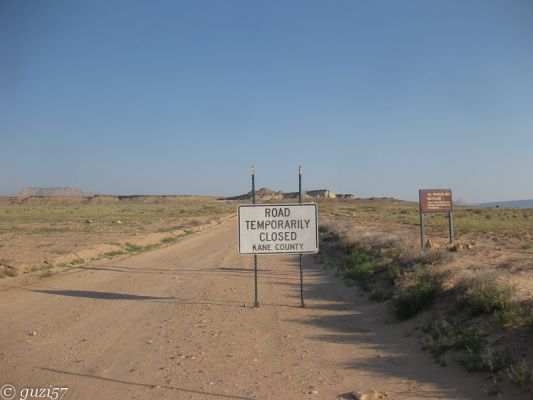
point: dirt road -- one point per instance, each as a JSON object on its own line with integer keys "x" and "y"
{"x": 178, "y": 323}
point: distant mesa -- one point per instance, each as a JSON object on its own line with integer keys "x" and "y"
{"x": 53, "y": 191}
{"x": 266, "y": 194}
{"x": 72, "y": 196}
{"x": 263, "y": 193}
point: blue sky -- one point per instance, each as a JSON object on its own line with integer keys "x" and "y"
{"x": 376, "y": 98}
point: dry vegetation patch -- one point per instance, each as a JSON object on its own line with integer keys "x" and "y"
{"x": 477, "y": 300}
{"x": 39, "y": 232}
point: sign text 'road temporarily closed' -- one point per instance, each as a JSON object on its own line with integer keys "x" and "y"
{"x": 278, "y": 229}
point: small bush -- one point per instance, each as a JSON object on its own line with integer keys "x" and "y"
{"x": 484, "y": 359}
{"x": 11, "y": 272}
{"x": 169, "y": 228}
{"x": 45, "y": 274}
{"x": 485, "y": 296}
{"x": 114, "y": 253}
{"x": 391, "y": 273}
{"x": 361, "y": 273}
{"x": 417, "y": 291}
{"x": 520, "y": 374}
{"x": 133, "y": 248}
{"x": 323, "y": 229}
{"x": 514, "y": 316}
{"x": 380, "y": 294}
{"x": 169, "y": 239}
{"x": 341, "y": 244}
{"x": 440, "y": 338}
{"x": 530, "y": 324}
{"x": 526, "y": 246}
{"x": 443, "y": 335}
{"x": 408, "y": 259}
{"x": 359, "y": 267}
{"x": 410, "y": 300}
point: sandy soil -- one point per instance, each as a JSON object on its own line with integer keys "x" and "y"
{"x": 34, "y": 247}
{"x": 178, "y": 323}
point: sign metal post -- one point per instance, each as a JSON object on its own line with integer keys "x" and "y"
{"x": 302, "y": 304}
{"x": 284, "y": 228}
{"x": 256, "y": 302}
{"x": 422, "y": 228}
{"x": 450, "y": 222}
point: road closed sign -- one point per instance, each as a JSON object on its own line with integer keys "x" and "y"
{"x": 278, "y": 228}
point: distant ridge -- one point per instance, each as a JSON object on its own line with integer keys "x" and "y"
{"x": 509, "y": 204}
{"x": 266, "y": 194}
{"x": 53, "y": 191}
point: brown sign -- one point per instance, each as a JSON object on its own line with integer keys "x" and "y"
{"x": 435, "y": 200}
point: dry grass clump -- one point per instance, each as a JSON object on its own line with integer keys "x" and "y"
{"x": 417, "y": 290}
{"x": 485, "y": 295}
{"x": 409, "y": 259}
{"x": 443, "y": 335}
{"x": 7, "y": 271}
{"x": 520, "y": 374}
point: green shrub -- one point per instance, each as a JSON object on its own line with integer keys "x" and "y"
{"x": 114, "y": 253}
{"x": 355, "y": 258}
{"x": 417, "y": 291}
{"x": 442, "y": 335}
{"x": 169, "y": 228}
{"x": 45, "y": 274}
{"x": 486, "y": 296}
{"x": 11, "y": 272}
{"x": 410, "y": 300}
{"x": 361, "y": 273}
{"x": 133, "y": 248}
{"x": 514, "y": 316}
{"x": 408, "y": 259}
{"x": 169, "y": 239}
{"x": 390, "y": 273}
{"x": 472, "y": 343}
{"x": 380, "y": 294}
{"x": 520, "y": 374}
{"x": 484, "y": 359}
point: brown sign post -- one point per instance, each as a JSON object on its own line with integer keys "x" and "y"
{"x": 435, "y": 201}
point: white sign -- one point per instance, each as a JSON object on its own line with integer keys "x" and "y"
{"x": 278, "y": 228}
